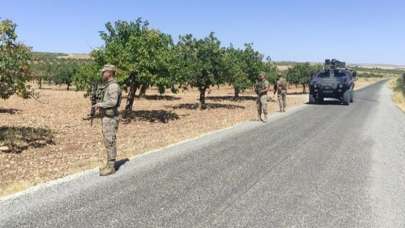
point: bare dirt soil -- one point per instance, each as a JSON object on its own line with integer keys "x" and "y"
{"x": 157, "y": 121}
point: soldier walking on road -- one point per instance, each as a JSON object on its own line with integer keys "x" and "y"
{"x": 109, "y": 110}
{"x": 281, "y": 89}
{"x": 261, "y": 89}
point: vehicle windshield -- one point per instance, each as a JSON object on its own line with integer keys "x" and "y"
{"x": 339, "y": 74}
{"x": 336, "y": 74}
{"x": 324, "y": 74}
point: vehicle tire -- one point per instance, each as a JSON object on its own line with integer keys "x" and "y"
{"x": 351, "y": 96}
{"x": 347, "y": 97}
{"x": 311, "y": 99}
{"x": 319, "y": 100}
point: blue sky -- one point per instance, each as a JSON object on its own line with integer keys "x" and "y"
{"x": 308, "y": 30}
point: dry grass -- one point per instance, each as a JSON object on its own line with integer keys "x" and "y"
{"x": 362, "y": 82}
{"x": 398, "y": 96}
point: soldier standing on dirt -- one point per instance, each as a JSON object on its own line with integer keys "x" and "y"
{"x": 261, "y": 89}
{"x": 109, "y": 110}
{"x": 281, "y": 89}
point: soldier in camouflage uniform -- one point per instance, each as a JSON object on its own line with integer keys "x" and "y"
{"x": 261, "y": 89}
{"x": 109, "y": 109}
{"x": 281, "y": 89}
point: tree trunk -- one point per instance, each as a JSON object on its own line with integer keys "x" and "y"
{"x": 68, "y": 86}
{"x": 130, "y": 100}
{"x": 202, "y": 98}
{"x": 237, "y": 92}
{"x": 143, "y": 89}
{"x": 304, "y": 88}
{"x": 40, "y": 83}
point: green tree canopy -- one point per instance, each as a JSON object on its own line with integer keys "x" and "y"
{"x": 242, "y": 67}
{"x": 65, "y": 72}
{"x": 141, "y": 54}
{"x": 301, "y": 74}
{"x": 14, "y": 62}
{"x": 200, "y": 63}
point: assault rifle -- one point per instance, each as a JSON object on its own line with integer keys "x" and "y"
{"x": 96, "y": 95}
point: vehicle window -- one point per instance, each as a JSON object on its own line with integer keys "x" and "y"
{"x": 339, "y": 74}
{"x": 324, "y": 74}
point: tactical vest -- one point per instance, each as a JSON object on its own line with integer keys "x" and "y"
{"x": 113, "y": 111}
{"x": 281, "y": 85}
{"x": 260, "y": 86}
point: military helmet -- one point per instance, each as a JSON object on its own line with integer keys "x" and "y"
{"x": 262, "y": 74}
{"x": 108, "y": 67}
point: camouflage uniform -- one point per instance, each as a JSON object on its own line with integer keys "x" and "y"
{"x": 261, "y": 85}
{"x": 109, "y": 110}
{"x": 281, "y": 89}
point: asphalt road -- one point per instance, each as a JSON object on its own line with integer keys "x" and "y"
{"x": 318, "y": 166}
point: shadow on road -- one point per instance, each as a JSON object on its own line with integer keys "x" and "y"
{"x": 120, "y": 163}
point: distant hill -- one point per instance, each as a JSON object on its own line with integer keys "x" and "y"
{"x": 286, "y": 64}
{"x": 282, "y": 65}
{"x": 379, "y": 66}
{"x": 60, "y": 55}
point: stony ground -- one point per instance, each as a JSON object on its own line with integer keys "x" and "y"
{"x": 156, "y": 122}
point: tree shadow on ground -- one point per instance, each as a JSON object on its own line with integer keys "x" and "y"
{"x": 162, "y": 116}
{"x": 10, "y": 111}
{"x": 231, "y": 98}
{"x": 155, "y": 97}
{"x": 193, "y": 106}
{"x": 18, "y": 139}
{"x": 297, "y": 93}
{"x": 159, "y": 97}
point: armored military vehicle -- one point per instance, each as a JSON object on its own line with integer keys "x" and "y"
{"x": 335, "y": 80}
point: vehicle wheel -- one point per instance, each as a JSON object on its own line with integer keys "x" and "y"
{"x": 346, "y": 97}
{"x": 319, "y": 100}
{"x": 351, "y": 97}
{"x": 311, "y": 99}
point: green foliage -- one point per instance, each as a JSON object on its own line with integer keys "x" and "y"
{"x": 242, "y": 67}
{"x": 399, "y": 84}
{"x": 65, "y": 72}
{"x": 200, "y": 63}
{"x": 137, "y": 50}
{"x": 146, "y": 57}
{"x": 47, "y": 55}
{"x": 85, "y": 75}
{"x": 370, "y": 75}
{"x": 271, "y": 71}
{"x": 235, "y": 70}
{"x": 254, "y": 62}
{"x": 301, "y": 74}
{"x": 141, "y": 54}
{"x": 378, "y": 71}
{"x": 51, "y": 67}
{"x": 42, "y": 70}
{"x": 14, "y": 63}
